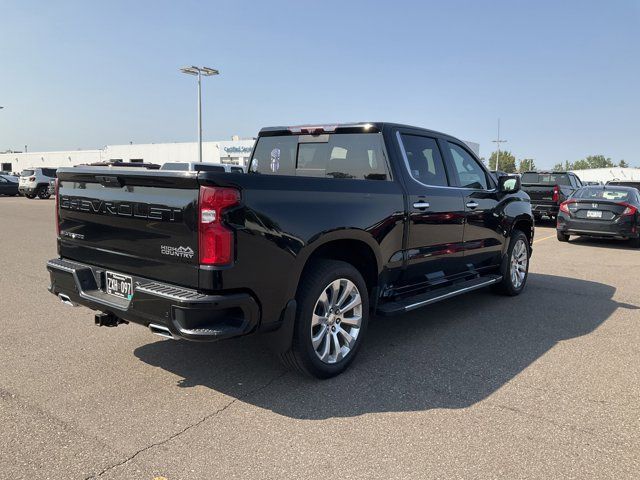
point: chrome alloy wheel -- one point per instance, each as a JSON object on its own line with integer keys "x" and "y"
{"x": 519, "y": 261}
{"x": 336, "y": 320}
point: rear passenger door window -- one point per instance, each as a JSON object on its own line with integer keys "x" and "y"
{"x": 469, "y": 172}
{"x": 424, "y": 161}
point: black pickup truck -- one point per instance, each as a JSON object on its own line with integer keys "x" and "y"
{"x": 548, "y": 190}
{"x": 331, "y": 224}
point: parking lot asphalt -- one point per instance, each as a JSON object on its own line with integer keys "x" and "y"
{"x": 544, "y": 385}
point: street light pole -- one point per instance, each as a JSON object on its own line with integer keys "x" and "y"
{"x": 498, "y": 142}
{"x": 199, "y": 71}
{"x": 199, "y": 117}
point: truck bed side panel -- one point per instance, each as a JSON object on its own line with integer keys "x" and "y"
{"x": 283, "y": 218}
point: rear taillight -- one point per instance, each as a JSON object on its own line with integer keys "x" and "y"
{"x": 556, "y": 194}
{"x": 215, "y": 239}
{"x": 564, "y": 206}
{"x": 57, "y": 207}
{"x": 629, "y": 209}
{"x": 32, "y": 179}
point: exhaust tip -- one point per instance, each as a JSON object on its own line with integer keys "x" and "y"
{"x": 161, "y": 331}
{"x": 66, "y": 300}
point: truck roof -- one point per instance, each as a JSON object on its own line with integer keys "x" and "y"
{"x": 353, "y": 127}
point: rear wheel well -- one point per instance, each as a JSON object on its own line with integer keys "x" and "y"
{"x": 355, "y": 252}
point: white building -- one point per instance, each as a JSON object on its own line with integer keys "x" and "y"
{"x": 236, "y": 152}
{"x": 605, "y": 174}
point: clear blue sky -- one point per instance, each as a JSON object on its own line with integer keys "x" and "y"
{"x": 564, "y": 77}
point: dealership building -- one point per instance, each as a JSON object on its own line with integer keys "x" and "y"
{"x": 235, "y": 152}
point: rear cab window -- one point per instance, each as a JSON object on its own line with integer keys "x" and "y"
{"x": 181, "y": 166}
{"x": 357, "y": 156}
{"x": 547, "y": 178}
{"x": 209, "y": 168}
{"x": 27, "y": 173}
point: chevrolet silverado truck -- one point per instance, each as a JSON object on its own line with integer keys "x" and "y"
{"x": 331, "y": 224}
{"x": 547, "y": 190}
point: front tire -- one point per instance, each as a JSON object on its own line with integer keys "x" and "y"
{"x": 515, "y": 265}
{"x": 562, "y": 237}
{"x": 331, "y": 319}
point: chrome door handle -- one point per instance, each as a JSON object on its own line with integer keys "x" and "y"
{"x": 472, "y": 204}
{"x": 421, "y": 205}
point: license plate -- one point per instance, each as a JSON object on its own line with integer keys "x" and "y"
{"x": 594, "y": 214}
{"x": 119, "y": 285}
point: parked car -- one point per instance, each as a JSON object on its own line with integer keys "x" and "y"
{"x": 8, "y": 185}
{"x": 601, "y": 211}
{"x": 34, "y": 182}
{"x": 625, "y": 183}
{"x": 202, "y": 167}
{"x": 330, "y": 224}
{"x": 548, "y": 190}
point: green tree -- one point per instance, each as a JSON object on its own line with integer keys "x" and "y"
{"x": 526, "y": 165}
{"x": 623, "y": 164}
{"x": 593, "y": 161}
{"x": 506, "y": 163}
{"x": 563, "y": 167}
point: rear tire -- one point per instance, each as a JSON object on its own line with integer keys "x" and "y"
{"x": 562, "y": 237}
{"x": 326, "y": 339}
{"x": 515, "y": 265}
{"x": 43, "y": 193}
{"x": 29, "y": 196}
{"x": 635, "y": 242}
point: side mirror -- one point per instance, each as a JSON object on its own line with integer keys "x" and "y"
{"x": 509, "y": 183}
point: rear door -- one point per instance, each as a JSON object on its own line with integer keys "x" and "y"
{"x": 140, "y": 223}
{"x": 483, "y": 238}
{"x": 434, "y": 248}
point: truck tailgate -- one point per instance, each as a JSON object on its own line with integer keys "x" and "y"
{"x": 142, "y": 223}
{"x": 540, "y": 194}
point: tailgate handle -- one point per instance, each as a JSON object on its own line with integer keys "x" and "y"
{"x": 110, "y": 181}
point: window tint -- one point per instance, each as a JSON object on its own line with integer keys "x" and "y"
{"x": 26, "y": 173}
{"x": 49, "y": 172}
{"x": 175, "y": 166}
{"x": 595, "y": 193}
{"x": 237, "y": 170}
{"x": 208, "y": 168}
{"x": 354, "y": 156}
{"x": 425, "y": 161}
{"x": 470, "y": 173}
{"x": 548, "y": 178}
{"x": 275, "y": 155}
